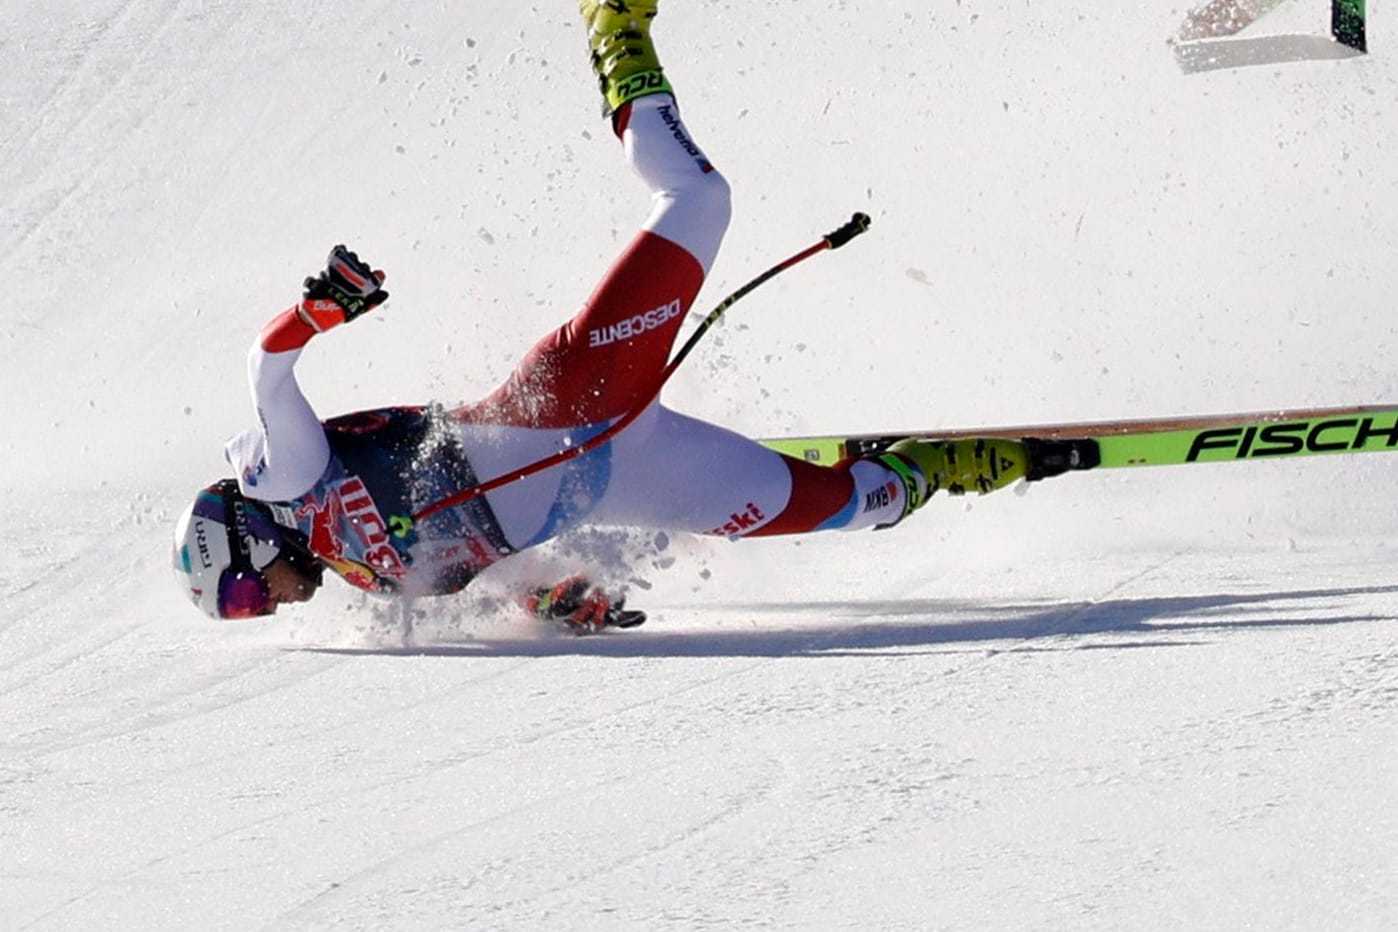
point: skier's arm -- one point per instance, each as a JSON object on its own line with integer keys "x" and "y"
{"x": 286, "y": 455}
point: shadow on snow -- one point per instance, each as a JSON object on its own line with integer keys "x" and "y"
{"x": 913, "y": 626}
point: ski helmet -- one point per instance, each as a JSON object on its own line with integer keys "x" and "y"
{"x": 223, "y": 542}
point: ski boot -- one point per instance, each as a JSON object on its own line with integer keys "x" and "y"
{"x": 958, "y": 466}
{"x": 622, "y": 53}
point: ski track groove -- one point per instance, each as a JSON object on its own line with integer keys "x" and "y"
{"x": 149, "y": 716}
{"x": 1367, "y": 683}
{"x": 351, "y": 882}
{"x": 107, "y": 31}
{"x": 79, "y": 647}
{"x": 34, "y": 595}
{"x": 1066, "y": 623}
{"x": 80, "y": 654}
{"x": 344, "y": 886}
{"x": 74, "y": 180}
{"x": 30, "y": 595}
{"x": 58, "y": 88}
{"x": 307, "y": 734}
{"x": 132, "y": 877}
{"x": 738, "y": 807}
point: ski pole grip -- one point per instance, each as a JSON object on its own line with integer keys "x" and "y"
{"x": 857, "y": 224}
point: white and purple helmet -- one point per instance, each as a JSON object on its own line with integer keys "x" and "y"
{"x": 223, "y": 542}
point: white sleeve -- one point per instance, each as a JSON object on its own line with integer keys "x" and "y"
{"x": 287, "y": 453}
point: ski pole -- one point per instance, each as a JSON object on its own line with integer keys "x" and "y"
{"x": 833, "y": 240}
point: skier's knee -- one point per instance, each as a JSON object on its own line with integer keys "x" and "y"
{"x": 697, "y": 216}
{"x": 717, "y": 199}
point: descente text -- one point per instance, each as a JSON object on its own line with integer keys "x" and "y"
{"x": 635, "y": 326}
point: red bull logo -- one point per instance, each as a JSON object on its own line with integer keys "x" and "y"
{"x": 350, "y": 536}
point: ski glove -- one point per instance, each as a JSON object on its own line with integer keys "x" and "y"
{"x": 580, "y": 606}
{"x": 346, "y": 289}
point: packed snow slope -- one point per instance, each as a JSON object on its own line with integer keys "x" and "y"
{"x": 1148, "y": 699}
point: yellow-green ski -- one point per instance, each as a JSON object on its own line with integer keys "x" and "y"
{"x": 1059, "y": 448}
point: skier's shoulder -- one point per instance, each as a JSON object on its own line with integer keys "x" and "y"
{"x": 271, "y": 479}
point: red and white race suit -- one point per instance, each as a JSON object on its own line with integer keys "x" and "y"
{"x": 344, "y": 482}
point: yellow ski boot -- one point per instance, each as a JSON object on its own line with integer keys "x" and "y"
{"x": 979, "y": 464}
{"x": 623, "y": 56}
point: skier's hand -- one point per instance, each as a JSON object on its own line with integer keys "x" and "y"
{"x": 346, "y": 289}
{"x": 574, "y": 602}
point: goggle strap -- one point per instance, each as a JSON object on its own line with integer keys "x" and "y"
{"x": 236, "y": 525}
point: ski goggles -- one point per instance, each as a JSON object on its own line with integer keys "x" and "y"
{"x": 244, "y": 594}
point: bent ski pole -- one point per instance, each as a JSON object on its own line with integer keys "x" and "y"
{"x": 857, "y": 224}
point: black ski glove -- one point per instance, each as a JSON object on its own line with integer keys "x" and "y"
{"x": 580, "y": 606}
{"x": 347, "y": 288}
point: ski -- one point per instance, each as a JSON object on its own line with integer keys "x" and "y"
{"x": 1058, "y": 448}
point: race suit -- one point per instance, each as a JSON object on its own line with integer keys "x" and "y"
{"x": 350, "y": 483}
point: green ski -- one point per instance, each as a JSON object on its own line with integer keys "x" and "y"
{"x": 1058, "y": 448}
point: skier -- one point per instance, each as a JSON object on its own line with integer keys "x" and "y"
{"x": 310, "y": 495}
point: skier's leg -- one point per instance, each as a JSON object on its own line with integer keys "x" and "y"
{"x": 680, "y": 473}
{"x": 608, "y": 358}
{"x": 892, "y": 485}
{"x": 685, "y": 474}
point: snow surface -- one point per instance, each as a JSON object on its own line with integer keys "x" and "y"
{"x": 1153, "y": 699}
